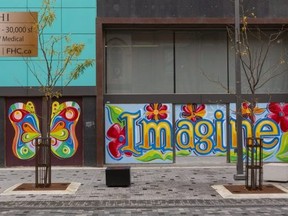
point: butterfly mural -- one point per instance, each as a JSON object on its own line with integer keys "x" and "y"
{"x": 64, "y": 118}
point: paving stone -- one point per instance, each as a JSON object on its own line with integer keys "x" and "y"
{"x": 155, "y": 190}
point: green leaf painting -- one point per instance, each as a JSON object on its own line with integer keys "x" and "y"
{"x": 115, "y": 112}
{"x": 282, "y": 154}
{"x": 183, "y": 153}
{"x": 154, "y": 155}
{"x": 233, "y": 155}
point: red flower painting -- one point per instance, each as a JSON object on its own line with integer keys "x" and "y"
{"x": 193, "y": 111}
{"x": 156, "y": 111}
{"x": 279, "y": 113}
{"x": 118, "y": 139}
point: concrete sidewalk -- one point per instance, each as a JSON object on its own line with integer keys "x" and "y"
{"x": 150, "y": 185}
{"x": 183, "y": 188}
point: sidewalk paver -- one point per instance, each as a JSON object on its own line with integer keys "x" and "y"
{"x": 151, "y": 186}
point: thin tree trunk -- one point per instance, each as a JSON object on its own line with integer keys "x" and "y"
{"x": 45, "y": 117}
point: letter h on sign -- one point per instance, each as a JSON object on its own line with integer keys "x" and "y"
{"x": 4, "y": 17}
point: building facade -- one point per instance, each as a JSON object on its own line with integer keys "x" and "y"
{"x": 168, "y": 86}
{"x": 20, "y": 94}
{"x": 164, "y": 85}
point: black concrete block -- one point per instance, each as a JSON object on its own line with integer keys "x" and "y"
{"x": 118, "y": 176}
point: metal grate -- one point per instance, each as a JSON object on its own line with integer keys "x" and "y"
{"x": 254, "y": 163}
{"x": 43, "y": 162}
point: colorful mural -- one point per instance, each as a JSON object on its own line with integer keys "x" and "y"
{"x": 25, "y": 122}
{"x": 270, "y": 122}
{"x": 137, "y": 133}
{"x": 200, "y": 129}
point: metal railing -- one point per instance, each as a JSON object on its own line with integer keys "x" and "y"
{"x": 43, "y": 162}
{"x": 254, "y": 163}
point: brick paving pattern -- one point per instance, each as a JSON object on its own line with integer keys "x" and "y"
{"x": 162, "y": 190}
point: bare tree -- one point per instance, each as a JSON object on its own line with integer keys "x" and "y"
{"x": 253, "y": 46}
{"x": 254, "y": 49}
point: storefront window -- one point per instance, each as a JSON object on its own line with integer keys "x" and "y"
{"x": 139, "y": 62}
{"x": 201, "y": 62}
{"x": 188, "y": 62}
{"x": 267, "y": 61}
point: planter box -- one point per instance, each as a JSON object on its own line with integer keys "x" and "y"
{"x": 118, "y": 176}
{"x": 275, "y": 172}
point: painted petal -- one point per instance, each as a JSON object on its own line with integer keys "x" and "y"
{"x": 201, "y": 113}
{"x": 194, "y": 119}
{"x": 185, "y": 109}
{"x": 188, "y": 108}
{"x": 285, "y": 109}
{"x": 247, "y": 112}
{"x": 114, "y": 131}
{"x": 275, "y": 117}
{"x": 163, "y": 107}
{"x": 284, "y": 124}
{"x": 149, "y": 108}
{"x": 274, "y": 107}
{"x": 258, "y": 110}
{"x": 150, "y": 116}
{"x": 200, "y": 108}
{"x": 154, "y": 106}
{"x": 245, "y": 105}
{"x": 114, "y": 149}
{"x": 123, "y": 132}
{"x": 162, "y": 115}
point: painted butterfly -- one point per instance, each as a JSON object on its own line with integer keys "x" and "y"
{"x": 64, "y": 118}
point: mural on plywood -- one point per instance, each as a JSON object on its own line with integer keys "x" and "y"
{"x": 64, "y": 118}
{"x": 138, "y": 133}
{"x": 200, "y": 130}
{"x": 270, "y": 122}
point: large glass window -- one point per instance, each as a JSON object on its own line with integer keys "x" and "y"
{"x": 187, "y": 62}
{"x": 265, "y": 60}
{"x": 139, "y": 62}
{"x": 201, "y": 62}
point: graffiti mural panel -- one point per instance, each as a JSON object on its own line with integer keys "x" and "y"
{"x": 200, "y": 130}
{"x": 270, "y": 124}
{"x": 141, "y": 133}
{"x": 25, "y": 118}
{"x": 138, "y": 133}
